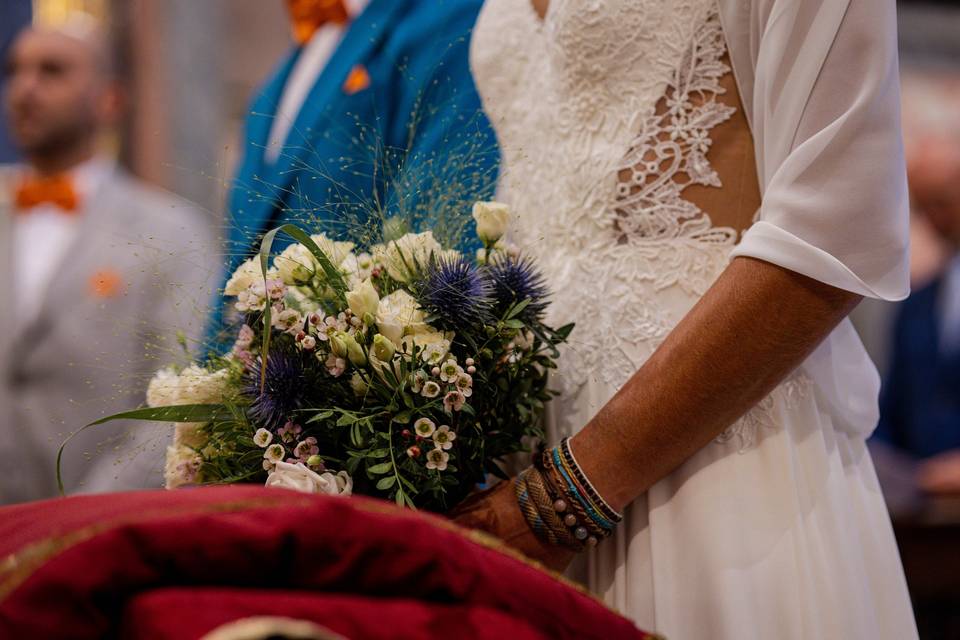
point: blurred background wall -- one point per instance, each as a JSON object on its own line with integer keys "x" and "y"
{"x": 14, "y": 14}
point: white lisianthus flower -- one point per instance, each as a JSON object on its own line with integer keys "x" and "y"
{"x": 336, "y": 252}
{"x": 199, "y": 386}
{"x": 364, "y": 300}
{"x": 398, "y": 314}
{"x": 296, "y": 265}
{"x": 492, "y": 219}
{"x": 358, "y": 268}
{"x": 298, "y": 477}
{"x": 245, "y": 275}
{"x": 437, "y": 459}
{"x": 262, "y": 438}
{"x": 182, "y": 467}
{"x": 163, "y": 388}
{"x": 403, "y": 258}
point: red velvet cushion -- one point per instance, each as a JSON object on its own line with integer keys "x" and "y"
{"x": 76, "y": 567}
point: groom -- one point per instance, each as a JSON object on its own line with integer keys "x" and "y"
{"x": 372, "y": 114}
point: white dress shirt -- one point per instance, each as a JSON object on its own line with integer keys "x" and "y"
{"x": 42, "y": 237}
{"x": 308, "y": 67}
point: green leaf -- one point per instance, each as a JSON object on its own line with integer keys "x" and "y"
{"x": 379, "y": 453}
{"x": 402, "y": 418}
{"x": 176, "y": 413}
{"x": 380, "y": 469}
{"x": 346, "y": 420}
{"x": 518, "y": 308}
{"x": 514, "y": 324}
{"x": 386, "y": 483}
{"x": 320, "y": 417}
{"x": 330, "y": 271}
{"x": 564, "y": 332}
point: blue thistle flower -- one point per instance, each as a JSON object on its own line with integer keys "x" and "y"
{"x": 455, "y": 294}
{"x": 291, "y": 385}
{"x": 515, "y": 280}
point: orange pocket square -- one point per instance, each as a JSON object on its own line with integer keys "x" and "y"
{"x": 105, "y": 283}
{"x": 357, "y": 81}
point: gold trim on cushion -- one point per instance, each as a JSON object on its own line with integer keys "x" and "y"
{"x": 265, "y": 627}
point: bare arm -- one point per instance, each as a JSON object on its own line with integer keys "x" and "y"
{"x": 752, "y": 328}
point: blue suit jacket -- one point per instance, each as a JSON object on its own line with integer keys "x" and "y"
{"x": 920, "y": 401}
{"x": 415, "y": 141}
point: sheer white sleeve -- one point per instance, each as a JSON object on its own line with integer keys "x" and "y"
{"x": 820, "y": 84}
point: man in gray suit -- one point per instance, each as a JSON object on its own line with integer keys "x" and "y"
{"x": 98, "y": 272}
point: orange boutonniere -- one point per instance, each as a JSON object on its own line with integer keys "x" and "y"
{"x": 357, "y": 81}
{"x": 105, "y": 283}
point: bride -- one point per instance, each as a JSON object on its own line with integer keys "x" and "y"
{"x": 711, "y": 186}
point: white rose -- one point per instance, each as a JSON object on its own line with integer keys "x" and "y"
{"x": 398, "y": 314}
{"x": 336, "y": 252}
{"x": 297, "y": 477}
{"x": 199, "y": 386}
{"x": 245, "y": 275}
{"x": 434, "y": 345}
{"x": 358, "y": 268}
{"x": 402, "y": 258}
{"x": 363, "y": 300}
{"x": 163, "y": 388}
{"x": 492, "y": 219}
{"x": 296, "y": 265}
{"x": 187, "y": 434}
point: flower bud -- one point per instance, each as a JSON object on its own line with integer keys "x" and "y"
{"x": 492, "y": 219}
{"x": 337, "y": 345}
{"x": 383, "y": 348}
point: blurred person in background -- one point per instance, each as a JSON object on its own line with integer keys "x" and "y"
{"x": 920, "y": 403}
{"x": 91, "y": 262}
{"x": 374, "y": 106}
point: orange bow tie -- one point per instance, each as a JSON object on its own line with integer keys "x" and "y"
{"x": 57, "y": 190}
{"x": 309, "y": 15}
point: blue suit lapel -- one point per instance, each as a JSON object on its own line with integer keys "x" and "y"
{"x": 358, "y": 44}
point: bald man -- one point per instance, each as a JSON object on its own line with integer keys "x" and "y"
{"x": 98, "y": 271}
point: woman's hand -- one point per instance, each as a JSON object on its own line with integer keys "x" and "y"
{"x": 497, "y": 512}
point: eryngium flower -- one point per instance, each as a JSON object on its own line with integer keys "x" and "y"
{"x": 455, "y": 294}
{"x": 514, "y": 280}
{"x": 290, "y": 383}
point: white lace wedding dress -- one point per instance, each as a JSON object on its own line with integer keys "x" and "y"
{"x": 604, "y": 110}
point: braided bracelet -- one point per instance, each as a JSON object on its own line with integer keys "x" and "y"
{"x": 560, "y": 504}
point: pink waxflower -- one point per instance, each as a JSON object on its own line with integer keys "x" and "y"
{"x": 276, "y": 289}
{"x": 306, "y": 448}
{"x": 335, "y": 366}
{"x": 454, "y": 401}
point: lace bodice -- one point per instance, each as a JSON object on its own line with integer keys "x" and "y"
{"x": 604, "y": 110}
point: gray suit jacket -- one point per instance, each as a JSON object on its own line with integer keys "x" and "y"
{"x": 92, "y": 349}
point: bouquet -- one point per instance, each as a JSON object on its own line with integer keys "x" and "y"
{"x": 405, "y": 371}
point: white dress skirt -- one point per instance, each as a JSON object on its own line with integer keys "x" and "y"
{"x": 777, "y": 529}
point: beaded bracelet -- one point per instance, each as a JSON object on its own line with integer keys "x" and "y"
{"x": 560, "y": 504}
{"x": 597, "y": 499}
